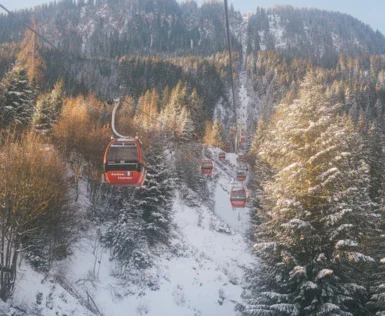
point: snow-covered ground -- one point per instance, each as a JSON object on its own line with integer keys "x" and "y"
{"x": 201, "y": 274}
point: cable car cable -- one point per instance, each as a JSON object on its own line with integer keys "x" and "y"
{"x": 231, "y": 73}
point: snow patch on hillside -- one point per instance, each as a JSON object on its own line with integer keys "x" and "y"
{"x": 277, "y": 37}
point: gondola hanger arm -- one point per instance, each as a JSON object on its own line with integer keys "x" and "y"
{"x": 117, "y": 106}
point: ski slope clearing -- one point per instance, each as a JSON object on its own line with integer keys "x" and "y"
{"x": 248, "y": 100}
{"x": 237, "y": 219}
{"x": 201, "y": 273}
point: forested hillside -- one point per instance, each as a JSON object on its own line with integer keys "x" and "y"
{"x": 118, "y": 28}
{"x": 312, "y": 34}
{"x": 310, "y": 103}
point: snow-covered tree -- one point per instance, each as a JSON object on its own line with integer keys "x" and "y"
{"x": 258, "y": 137}
{"x": 18, "y": 105}
{"x": 57, "y": 97}
{"x": 195, "y": 105}
{"x": 48, "y": 106}
{"x": 376, "y": 275}
{"x": 218, "y": 134}
{"x": 42, "y": 116}
{"x": 30, "y": 58}
{"x": 317, "y": 213}
{"x": 140, "y": 218}
{"x": 147, "y": 110}
{"x": 187, "y": 128}
{"x": 129, "y": 107}
{"x": 155, "y": 199}
{"x": 188, "y": 157}
{"x": 214, "y": 135}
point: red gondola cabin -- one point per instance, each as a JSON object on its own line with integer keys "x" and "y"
{"x": 125, "y": 163}
{"x": 241, "y": 175}
{"x": 222, "y": 156}
{"x": 241, "y": 157}
{"x": 238, "y": 197}
{"x": 207, "y": 166}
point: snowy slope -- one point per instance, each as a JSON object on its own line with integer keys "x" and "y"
{"x": 200, "y": 274}
{"x": 248, "y": 101}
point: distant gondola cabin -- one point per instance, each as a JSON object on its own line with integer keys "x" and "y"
{"x": 238, "y": 197}
{"x": 241, "y": 157}
{"x": 207, "y": 166}
{"x": 241, "y": 175}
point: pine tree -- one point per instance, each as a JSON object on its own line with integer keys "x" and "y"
{"x": 172, "y": 110}
{"x": 187, "y": 127}
{"x": 42, "y": 115}
{"x": 258, "y": 137}
{"x": 48, "y": 107}
{"x": 30, "y": 59}
{"x": 187, "y": 161}
{"x": 139, "y": 218}
{"x": 195, "y": 106}
{"x": 129, "y": 107}
{"x": 208, "y": 133}
{"x": 214, "y": 135}
{"x": 376, "y": 275}
{"x": 165, "y": 98}
{"x": 355, "y": 110}
{"x": 218, "y": 135}
{"x": 129, "y": 246}
{"x": 57, "y": 97}
{"x": 17, "y": 108}
{"x": 317, "y": 213}
{"x": 155, "y": 200}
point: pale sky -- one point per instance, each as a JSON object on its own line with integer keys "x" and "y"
{"x": 371, "y": 12}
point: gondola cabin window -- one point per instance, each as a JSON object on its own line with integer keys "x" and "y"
{"x": 123, "y": 152}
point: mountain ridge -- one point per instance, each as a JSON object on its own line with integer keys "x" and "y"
{"x": 118, "y": 28}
